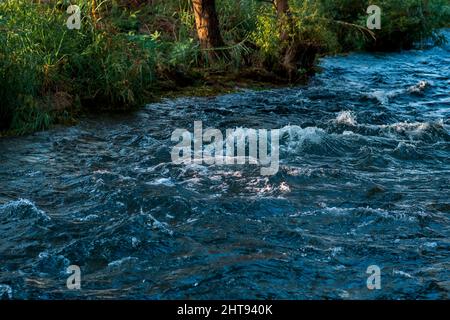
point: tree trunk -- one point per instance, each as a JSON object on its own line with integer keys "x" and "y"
{"x": 208, "y": 29}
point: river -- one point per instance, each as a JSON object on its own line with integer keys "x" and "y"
{"x": 363, "y": 180}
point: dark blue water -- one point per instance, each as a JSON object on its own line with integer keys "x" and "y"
{"x": 364, "y": 180}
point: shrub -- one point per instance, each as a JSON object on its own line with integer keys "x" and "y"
{"x": 46, "y": 68}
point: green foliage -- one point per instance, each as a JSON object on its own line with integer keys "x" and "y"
{"x": 46, "y": 68}
{"x": 113, "y": 69}
{"x": 23, "y": 65}
{"x": 403, "y": 23}
{"x": 309, "y": 30}
{"x": 407, "y": 22}
{"x": 264, "y": 36}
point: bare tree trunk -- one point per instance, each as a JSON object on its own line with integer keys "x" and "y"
{"x": 208, "y": 29}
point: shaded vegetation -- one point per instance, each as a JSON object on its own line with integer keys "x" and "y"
{"x": 128, "y": 52}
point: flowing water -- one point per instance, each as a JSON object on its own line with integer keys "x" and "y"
{"x": 364, "y": 180}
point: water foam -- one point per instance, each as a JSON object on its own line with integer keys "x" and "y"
{"x": 419, "y": 87}
{"x": 346, "y": 117}
{"x": 298, "y": 136}
{"x": 22, "y": 209}
{"x": 6, "y": 292}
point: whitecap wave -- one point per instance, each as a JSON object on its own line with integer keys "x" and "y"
{"x": 123, "y": 261}
{"x": 346, "y": 117}
{"x": 22, "y": 209}
{"x": 383, "y": 96}
{"x": 296, "y": 136}
{"x": 419, "y": 87}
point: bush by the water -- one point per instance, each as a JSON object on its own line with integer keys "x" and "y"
{"x": 128, "y": 51}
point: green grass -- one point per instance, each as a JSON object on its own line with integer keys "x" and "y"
{"x": 47, "y": 71}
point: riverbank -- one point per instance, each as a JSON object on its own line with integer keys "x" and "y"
{"x": 212, "y": 85}
{"x": 128, "y": 53}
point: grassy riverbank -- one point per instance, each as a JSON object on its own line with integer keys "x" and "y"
{"x": 129, "y": 52}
